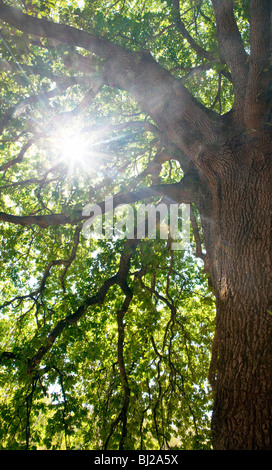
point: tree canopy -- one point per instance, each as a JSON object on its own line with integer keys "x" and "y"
{"x": 106, "y": 343}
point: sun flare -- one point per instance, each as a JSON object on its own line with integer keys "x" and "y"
{"x": 79, "y": 148}
{"x": 71, "y": 146}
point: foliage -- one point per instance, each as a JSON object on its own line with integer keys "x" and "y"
{"x": 131, "y": 370}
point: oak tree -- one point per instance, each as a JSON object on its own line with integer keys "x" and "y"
{"x": 164, "y": 100}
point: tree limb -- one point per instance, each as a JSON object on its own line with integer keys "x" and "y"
{"x": 20, "y": 157}
{"x": 61, "y": 32}
{"x": 231, "y": 47}
{"x": 181, "y": 192}
{"x": 98, "y": 298}
{"x": 42, "y": 221}
{"x": 256, "y": 104}
{"x": 34, "y": 99}
{"x": 168, "y": 102}
{"x": 182, "y": 29}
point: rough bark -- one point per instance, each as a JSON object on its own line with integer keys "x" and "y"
{"x": 237, "y": 228}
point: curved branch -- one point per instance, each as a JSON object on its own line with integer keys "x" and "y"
{"x": 20, "y": 157}
{"x": 69, "y": 320}
{"x": 98, "y": 298}
{"x": 122, "y": 369}
{"x": 182, "y": 29}
{"x": 60, "y": 262}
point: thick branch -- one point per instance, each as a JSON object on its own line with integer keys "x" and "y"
{"x": 42, "y": 221}
{"x": 231, "y": 47}
{"x": 61, "y": 32}
{"x": 182, "y": 192}
{"x": 256, "y": 106}
{"x": 167, "y": 101}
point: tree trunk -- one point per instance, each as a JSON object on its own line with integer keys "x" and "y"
{"x": 237, "y": 230}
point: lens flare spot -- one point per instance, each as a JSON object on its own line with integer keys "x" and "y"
{"x": 71, "y": 146}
